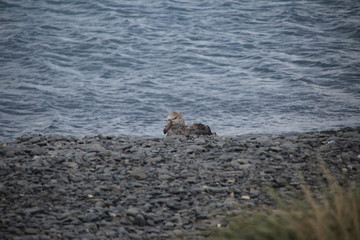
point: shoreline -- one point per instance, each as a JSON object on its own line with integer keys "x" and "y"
{"x": 106, "y": 187}
{"x": 7, "y": 139}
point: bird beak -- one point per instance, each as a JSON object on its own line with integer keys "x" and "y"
{"x": 167, "y": 126}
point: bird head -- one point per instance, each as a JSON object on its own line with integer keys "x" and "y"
{"x": 173, "y": 119}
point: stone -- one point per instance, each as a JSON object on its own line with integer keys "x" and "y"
{"x": 33, "y": 210}
{"x": 31, "y": 231}
{"x": 90, "y": 217}
{"x": 245, "y": 197}
{"x": 135, "y": 188}
{"x": 176, "y": 205}
{"x": 132, "y": 211}
{"x": 17, "y": 231}
{"x": 345, "y": 156}
{"x": 71, "y": 164}
{"x": 89, "y": 148}
{"x": 139, "y": 173}
{"x": 135, "y": 236}
{"x": 139, "y": 220}
{"x": 165, "y": 177}
{"x": 275, "y": 149}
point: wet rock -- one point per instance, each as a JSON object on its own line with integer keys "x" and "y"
{"x": 165, "y": 177}
{"x": 31, "y": 231}
{"x": 98, "y": 187}
{"x": 275, "y": 149}
{"x": 345, "y": 156}
{"x": 89, "y": 148}
{"x": 139, "y": 220}
{"x": 15, "y": 230}
{"x": 135, "y": 236}
{"x": 132, "y": 211}
{"x": 139, "y": 173}
{"x": 33, "y": 210}
{"x": 175, "y": 205}
{"x": 89, "y": 217}
{"x": 71, "y": 164}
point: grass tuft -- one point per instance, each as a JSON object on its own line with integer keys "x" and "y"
{"x": 336, "y": 215}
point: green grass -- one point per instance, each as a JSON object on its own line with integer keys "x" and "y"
{"x": 336, "y": 216}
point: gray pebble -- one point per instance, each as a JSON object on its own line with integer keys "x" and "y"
{"x": 99, "y": 187}
{"x": 139, "y": 173}
{"x": 132, "y": 211}
{"x": 139, "y": 220}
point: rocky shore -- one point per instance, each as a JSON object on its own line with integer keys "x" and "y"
{"x": 110, "y": 187}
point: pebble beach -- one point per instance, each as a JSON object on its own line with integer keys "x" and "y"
{"x": 121, "y": 187}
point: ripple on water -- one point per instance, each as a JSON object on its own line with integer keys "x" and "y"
{"x": 82, "y": 68}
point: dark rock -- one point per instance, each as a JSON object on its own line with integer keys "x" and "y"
{"x": 15, "y": 230}
{"x": 135, "y": 236}
{"x": 139, "y": 173}
{"x": 139, "y": 220}
{"x": 31, "y": 231}
{"x": 90, "y": 217}
{"x": 345, "y": 156}
{"x": 201, "y": 214}
{"x": 201, "y": 227}
{"x": 275, "y": 149}
{"x": 8, "y": 152}
{"x": 89, "y": 148}
{"x": 33, "y": 210}
{"x": 132, "y": 211}
{"x": 56, "y": 187}
{"x": 165, "y": 177}
{"x": 176, "y": 205}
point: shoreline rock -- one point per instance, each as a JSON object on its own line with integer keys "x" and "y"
{"x": 106, "y": 187}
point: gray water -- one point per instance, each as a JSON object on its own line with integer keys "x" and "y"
{"x": 118, "y": 67}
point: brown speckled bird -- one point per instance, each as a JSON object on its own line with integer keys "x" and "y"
{"x": 175, "y": 125}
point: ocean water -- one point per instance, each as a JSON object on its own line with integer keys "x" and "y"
{"x": 119, "y": 67}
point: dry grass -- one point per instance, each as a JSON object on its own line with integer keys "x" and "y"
{"x": 335, "y": 217}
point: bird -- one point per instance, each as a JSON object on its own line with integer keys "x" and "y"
{"x": 175, "y": 125}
